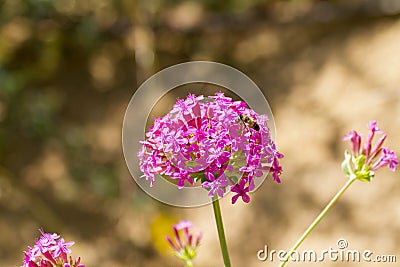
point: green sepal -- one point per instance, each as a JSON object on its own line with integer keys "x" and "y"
{"x": 198, "y": 176}
{"x": 186, "y": 254}
{"x": 346, "y": 166}
{"x": 355, "y": 167}
{"x": 365, "y": 174}
{"x": 359, "y": 163}
{"x": 362, "y": 171}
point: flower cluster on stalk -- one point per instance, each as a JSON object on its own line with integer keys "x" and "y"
{"x": 368, "y": 158}
{"x": 186, "y": 241}
{"x": 203, "y": 139}
{"x": 50, "y": 251}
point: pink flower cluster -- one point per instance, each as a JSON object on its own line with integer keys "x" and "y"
{"x": 50, "y": 251}
{"x": 204, "y": 139}
{"x": 368, "y": 158}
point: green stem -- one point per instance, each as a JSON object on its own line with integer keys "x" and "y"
{"x": 318, "y": 219}
{"x": 221, "y": 234}
{"x": 188, "y": 263}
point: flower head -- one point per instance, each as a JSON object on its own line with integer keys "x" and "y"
{"x": 212, "y": 140}
{"x": 365, "y": 160}
{"x": 185, "y": 241}
{"x": 50, "y": 251}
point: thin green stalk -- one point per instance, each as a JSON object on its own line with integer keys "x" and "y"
{"x": 221, "y": 233}
{"x": 317, "y": 220}
{"x": 188, "y": 263}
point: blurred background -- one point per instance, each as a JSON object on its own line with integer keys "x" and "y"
{"x": 68, "y": 69}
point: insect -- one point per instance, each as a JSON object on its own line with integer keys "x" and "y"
{"x": 249, "y": 122}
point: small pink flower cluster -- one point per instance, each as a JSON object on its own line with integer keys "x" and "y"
{"x": 186, "y": 240}
{"x": 50, "y": 251}
{"x": 204, "y": 138}
{"x": 366, "y": 159}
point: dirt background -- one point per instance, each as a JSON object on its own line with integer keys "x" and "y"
{"x": 69, "y": 68}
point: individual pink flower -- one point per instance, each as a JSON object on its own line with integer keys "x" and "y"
{"x": 388, "y": 158}
{"x": 204, "y": 139}
{"x": 355, "y": 139}
{"x": 241, "y": 191}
